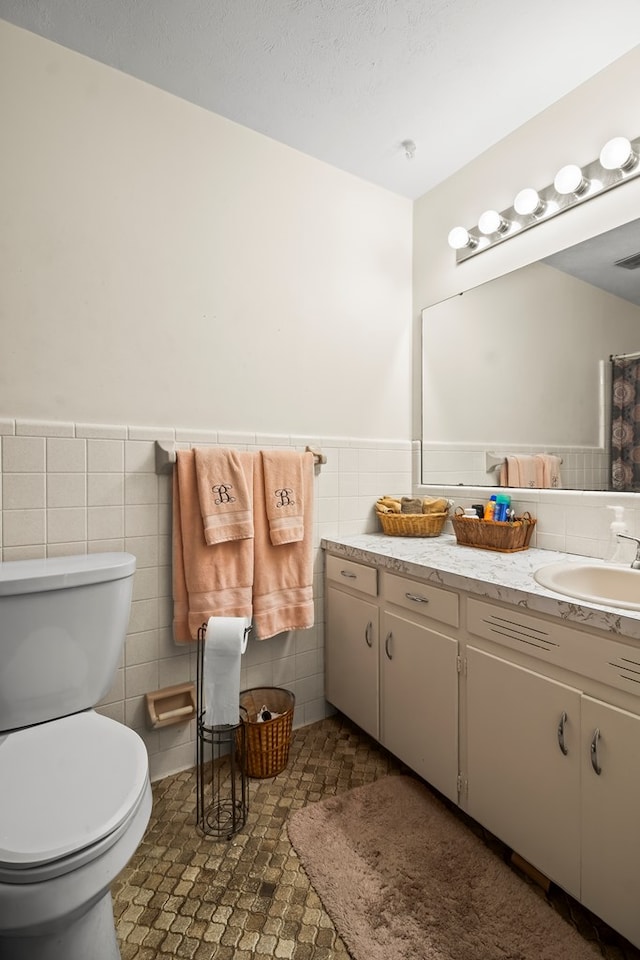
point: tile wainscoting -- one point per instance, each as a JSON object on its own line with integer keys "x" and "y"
{"x": 72, "y": 488}
{"x": 571, "y": 521}
{"x": 582, "y": 467}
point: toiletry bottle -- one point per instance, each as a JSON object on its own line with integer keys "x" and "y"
{"x": 503, "y": 502}
{"x": 489, "y": 510}
{"x": 618, "y": 550}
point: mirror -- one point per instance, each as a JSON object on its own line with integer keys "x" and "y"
{"x": 520, "y": 365}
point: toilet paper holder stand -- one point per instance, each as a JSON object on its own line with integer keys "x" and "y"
{"x": 222, "y": 794}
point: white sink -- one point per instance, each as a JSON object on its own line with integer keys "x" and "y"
{"x": 604, "y": 583}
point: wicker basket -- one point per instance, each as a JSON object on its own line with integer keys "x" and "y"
{"x": 268, "y": 741}
{"x": 503, "y": 536}
{"x": 412, "y": 524}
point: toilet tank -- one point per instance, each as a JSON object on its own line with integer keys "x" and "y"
{"x": 63, "y": 622}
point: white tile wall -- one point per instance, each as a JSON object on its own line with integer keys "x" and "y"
{"x": 572, "y": 521}
{"x": 91, "y": 487}
{"x": 77, "y": 488}
{"x": 582, "y": 467}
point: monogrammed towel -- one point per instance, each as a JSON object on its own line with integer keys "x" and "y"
{"x": 224, "y": 494}
{"x": 208, "y": 581}
{"x": 284, "y": 494}
{"x": 537, "y": 470}
{"x": 283, "y": 574}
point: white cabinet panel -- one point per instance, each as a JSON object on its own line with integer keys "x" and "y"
{"x": 419, "y": 700}
{"x": 421, "y": 598}
{"x": 351, "y": 658}
{"x": 352, "y": 575}
{"x": 521, "y": 785}
{"x": 611, "y": 815}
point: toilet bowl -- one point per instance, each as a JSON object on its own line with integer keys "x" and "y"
{"x": 78, "y": 807}
{"x": 75, "y": 798}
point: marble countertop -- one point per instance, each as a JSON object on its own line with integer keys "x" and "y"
{"x": 485, "y": 573}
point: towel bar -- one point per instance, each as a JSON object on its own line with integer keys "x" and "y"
{"x": 493, "y": 462}
{"x": 166, "y": 456}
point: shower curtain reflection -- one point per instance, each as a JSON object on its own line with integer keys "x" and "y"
{"x": 625, "y": 422}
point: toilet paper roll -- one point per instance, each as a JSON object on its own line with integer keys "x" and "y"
{"x": 224, "y": 643}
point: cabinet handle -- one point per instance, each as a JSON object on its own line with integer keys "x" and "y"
{"x": 418, "y": 599}
{"x": 350, "y": 576}
{"x": 561, "y": 724}
{"x": 368, "y": 634}
{"x": 594, "y": 751}
{"x": 387, "y": 642}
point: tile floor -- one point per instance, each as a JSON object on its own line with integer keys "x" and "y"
{"x": 185, "y": 895}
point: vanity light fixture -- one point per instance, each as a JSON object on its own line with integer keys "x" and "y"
{"x": 618, "y": 162}
{"x": 491, "y": 222}
{"x": 528, "y": 202}
{"x": 570, "y": 179}
{"x": 618, "y": 154}
{"x": 459, "y": 238}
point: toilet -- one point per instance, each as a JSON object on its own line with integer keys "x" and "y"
{"x": 75, "y": 796}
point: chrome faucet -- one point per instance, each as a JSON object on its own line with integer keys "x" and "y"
{"x": 635, "y": 564}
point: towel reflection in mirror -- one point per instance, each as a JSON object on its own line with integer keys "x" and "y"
{"x": 540, "y": 470}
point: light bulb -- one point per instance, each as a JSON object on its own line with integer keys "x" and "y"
{"x": 617, "y": 154}
{"x": 492, "y": 222}
{"x": 459, "y": 238}
{"x": 570, "y": 179}
{"x": 528, "y": 202}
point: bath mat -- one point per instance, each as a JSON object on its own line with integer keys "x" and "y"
{"x": 402, "y": 878}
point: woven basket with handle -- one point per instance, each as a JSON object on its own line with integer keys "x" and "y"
{"x": 502, "y": 536}
{"x": 267, "y": 741}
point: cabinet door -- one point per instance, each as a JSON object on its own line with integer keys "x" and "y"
{"x": 611, "y": 815}
{"x": 351, "y": 658}
{"x": 419, "y": 700}
{"x": 523, "y": 736}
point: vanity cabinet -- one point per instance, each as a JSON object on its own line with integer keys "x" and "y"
{"x": 523, "y": 763}
{"x": 610, "y": 814}
{"x": 352, "y": 642}
{"x": 391, "y": 669}
{"x": 419, "y": 680}
{"x": 552, "y": 770}
{"x": 531, "y": 723}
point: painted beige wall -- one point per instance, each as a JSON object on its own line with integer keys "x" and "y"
{"x": 162, "y": 265}
{"x": 573, "y": 130}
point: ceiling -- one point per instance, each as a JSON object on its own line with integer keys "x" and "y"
{"x": 596, "y": 261}
{"x": 347, "y": 81}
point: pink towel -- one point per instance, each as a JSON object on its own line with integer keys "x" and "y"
{"x": 283, "y": 574}
{"x": 520, "y": 470}
{"x": 550, "y": 464}
{"x": 224, "y": 495}
{"x": 539, "y": 470}
{"x": 208, "y": 581}
{"x": 284, "y": 495}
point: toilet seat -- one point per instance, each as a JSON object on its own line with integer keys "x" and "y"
{"x": 77, "y": 781}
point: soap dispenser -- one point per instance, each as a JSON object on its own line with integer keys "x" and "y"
{"x": 618, "y": 550}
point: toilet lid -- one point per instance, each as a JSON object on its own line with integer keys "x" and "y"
{"x": 66, "y": 785}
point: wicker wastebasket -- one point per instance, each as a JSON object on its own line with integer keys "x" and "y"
{"x": 267, "y": 742}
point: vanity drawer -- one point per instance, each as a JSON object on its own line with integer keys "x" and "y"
{"x": 597, "y": 656}
{"x": 421, "y": 598}
{"x": 354, "y": 575}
